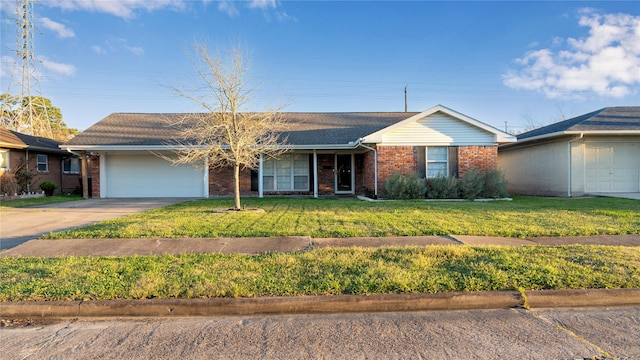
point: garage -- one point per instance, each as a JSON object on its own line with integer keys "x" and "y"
{"x": 146, "y": 175}
{"x": 612, "y": 167}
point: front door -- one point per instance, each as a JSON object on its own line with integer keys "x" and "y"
{"x": 344, "y": 174}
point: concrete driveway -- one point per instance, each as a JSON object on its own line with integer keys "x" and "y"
{"x": 22, "y": 224}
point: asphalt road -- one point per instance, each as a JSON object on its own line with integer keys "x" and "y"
{"x": 23, "y": 224}
{"x": 488, "y": 334}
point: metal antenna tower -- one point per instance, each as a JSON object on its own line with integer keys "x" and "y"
{"x": 31, "y": 115}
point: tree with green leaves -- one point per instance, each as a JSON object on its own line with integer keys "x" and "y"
{"x": 15, "y": 113}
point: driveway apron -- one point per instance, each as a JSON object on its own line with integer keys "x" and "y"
{"x": 23, "y": 224}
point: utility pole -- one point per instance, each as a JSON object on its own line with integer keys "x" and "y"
{"x": 30, "y": 116}
{"x": 405, "y": 99}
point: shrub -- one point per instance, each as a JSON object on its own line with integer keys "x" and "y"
{"x": 8, "y": 184}
{"x": 402, "y": 187}
{"x": 495, "y": 185}
{"x": 48, "y": 185}
{"x": 443, "y": 187}
{"x": 471, "y": 184}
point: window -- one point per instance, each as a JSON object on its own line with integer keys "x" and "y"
{"x": 43, "y": 163}
{"x": 290, "y": 172}
{"x": 4, "y": 160}
{"x": 437, "y": 161}
{"x": 71, "y": 166}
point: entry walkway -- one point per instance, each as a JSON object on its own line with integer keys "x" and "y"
{"x": 161, "y": 246}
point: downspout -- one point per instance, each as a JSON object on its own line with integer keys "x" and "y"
{"x": 375, "y": 166}
{"x": 570, "y": 162}
{"x": 26, "y": 166}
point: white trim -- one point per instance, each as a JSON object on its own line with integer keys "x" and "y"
{"x": 427, "y": 162}
{"x": 260, "y": 182}
{"x": 315, "y": 174}
{"x": 500, "y": 136}
{"x": 103, "y": 175}
{"x": 589, "y": 133}
{"x": 46, "y": 163}
{"x": 205, "y": 178}
{"x": 8, "y": 154}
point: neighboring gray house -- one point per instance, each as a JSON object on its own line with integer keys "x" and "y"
{"x": 598, "y": 152}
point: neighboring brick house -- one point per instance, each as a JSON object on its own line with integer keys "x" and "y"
{"x": 42, "y": 158}
{"x": 330, "y": 154}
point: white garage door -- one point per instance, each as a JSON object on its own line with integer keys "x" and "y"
{"x": 151, "y": 176}
{"x": 612, "y": 167}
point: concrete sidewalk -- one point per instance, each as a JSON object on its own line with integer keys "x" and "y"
{"x": 161, "y": 246}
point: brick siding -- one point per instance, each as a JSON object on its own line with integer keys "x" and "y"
{"x": 477, "y": 157}
{"x": 403, "y": 160}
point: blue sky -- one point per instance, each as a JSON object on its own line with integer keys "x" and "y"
{"x": 505, "y": 61}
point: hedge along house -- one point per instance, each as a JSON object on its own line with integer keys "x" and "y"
{"x": 595, "y": 153}
{"x": 328, "y": 154}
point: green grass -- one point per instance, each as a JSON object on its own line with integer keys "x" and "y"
{"x": 327, "y": 271}
{"x": 522, "y": 217}
{"x": 20, "y": 203}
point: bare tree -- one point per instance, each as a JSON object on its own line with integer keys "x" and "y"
{"x": 224, "y": 135}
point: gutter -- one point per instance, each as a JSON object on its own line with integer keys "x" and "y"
{"x": 570, "y": 162}
{"x": 375, "y": 165}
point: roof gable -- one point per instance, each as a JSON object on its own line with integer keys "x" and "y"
{"x": 603, "y": 121}
{"x": 440, "y": 125}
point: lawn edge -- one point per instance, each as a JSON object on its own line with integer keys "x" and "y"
{"x": 481, "y": 300}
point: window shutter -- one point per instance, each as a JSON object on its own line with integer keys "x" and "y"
{"x": 421, "y": 161}
{"x": 453, "y": 161}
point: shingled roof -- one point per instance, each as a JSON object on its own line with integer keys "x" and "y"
{"x": 16, "y": 140}
{"x": 623, "y": 118}
{"x": 302, "y": 129}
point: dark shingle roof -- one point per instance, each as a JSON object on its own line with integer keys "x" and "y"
{"x": 19, "y": 140}
{"x": 608, "y": 119}
{"x": 134, "y": 129}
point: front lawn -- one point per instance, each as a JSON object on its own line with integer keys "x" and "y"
{"x": 326, "y": 271}
{"x": 522, "y": 217}
{"x": 20, "y": 203}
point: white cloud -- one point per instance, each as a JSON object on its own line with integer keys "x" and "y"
{"x": 228, "y": 7}
{"x": 262, "y": 4}
{"x": 122, "y": 8}
{"x": 61, "y": 30}
{"x": 606, "y": 62}
{"x": 59, "y": 68}
{"x": 98, "y": 49}
{"x": 135, "y": 50}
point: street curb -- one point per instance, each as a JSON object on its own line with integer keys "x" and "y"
{"x": 481, "y": 300}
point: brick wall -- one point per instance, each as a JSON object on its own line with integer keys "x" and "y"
{"x": 94, "y": 172}
{"x": 403, "y": 159}
{"x": 221, "y": 182}
{"x": 395, "y": 159}
{"x": 477, "y": 157}
{"x": 18, "y": 159}
{"x": 326, "y": 180}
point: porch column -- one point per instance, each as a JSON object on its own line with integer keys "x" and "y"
{"x": 205, "y": 180}
{"x": 85, "y": 176}
{"x": 315, "y": 174}
{"x": 103, "y": 175}
{"x": 260, "y": 185}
